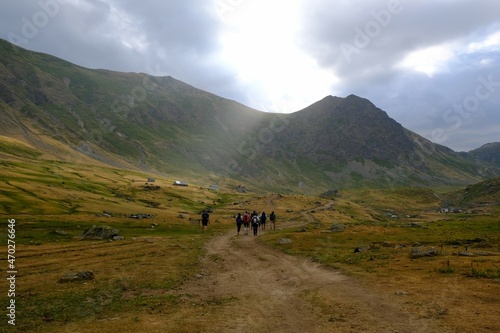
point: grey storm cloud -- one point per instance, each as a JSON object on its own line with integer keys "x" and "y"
{"x": 374, "y": 35}
{"x": 363, "y": 44}
{"x": 177, "y": 38}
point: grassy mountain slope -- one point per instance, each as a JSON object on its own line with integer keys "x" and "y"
{"x": 123, "y": 119}
{"x": 489, "y": 152}
{"x": 161, "y": 125}
{"x": 485, "y": 193}
{"x": 350, "y": 142}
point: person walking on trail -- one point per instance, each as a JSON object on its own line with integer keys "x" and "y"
{"x": 239, "y": 222}
{"x": 255, "y": 224}
{"x": 272, "y": 218}
{"x": 246, "y": 222}
{"x": 205, "y": 220}
{"x": 263, "y": 218}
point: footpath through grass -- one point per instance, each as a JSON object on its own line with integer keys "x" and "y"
{"x": 375, "y": 242}
{"x": 131, "y": 277}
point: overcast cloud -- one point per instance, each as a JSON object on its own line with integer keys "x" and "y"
{"x": 434, "y": 66}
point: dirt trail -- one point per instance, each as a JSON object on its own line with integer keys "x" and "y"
{"x": 269, "y": 291}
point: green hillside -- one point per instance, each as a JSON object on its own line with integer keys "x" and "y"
{"x": 160, "y": 125}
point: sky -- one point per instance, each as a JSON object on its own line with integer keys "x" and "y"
{"x": 432, "y": 65}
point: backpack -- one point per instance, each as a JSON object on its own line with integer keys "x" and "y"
{"x": 204, "y": 217}
{"x": 255, "y": 220}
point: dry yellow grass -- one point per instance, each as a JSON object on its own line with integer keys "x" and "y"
{"x": 460, "y": 293}
{"x": 139, "y": 281}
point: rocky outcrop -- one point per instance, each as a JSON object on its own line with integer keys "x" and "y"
{"x": 104, "y": 232}
{"x": 74, "y": 277}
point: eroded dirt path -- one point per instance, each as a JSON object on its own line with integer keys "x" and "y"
{"x": 264, "y": 290}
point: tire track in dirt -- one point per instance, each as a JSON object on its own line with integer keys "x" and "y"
{"x": 268, "y": 291}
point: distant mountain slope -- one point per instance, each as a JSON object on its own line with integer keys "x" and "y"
{"x": 159, "y": 124}
{"x": 338, "y": 130}
{"x": 484, "y": 193}
{"x": 119, "y": 118}
{"x": 349, "y": 141}
{"x": 489, "y": 152}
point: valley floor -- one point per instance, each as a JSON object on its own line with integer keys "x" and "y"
{"x": 265, "y": 290}
{"x": 174, "y": 278}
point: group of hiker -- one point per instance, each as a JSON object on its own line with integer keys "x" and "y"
{"x": 254, "y": 220}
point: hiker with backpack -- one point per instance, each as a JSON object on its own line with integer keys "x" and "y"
{"x": 246, "y": 222}
{"x": 255, "y": 224}
{"x": 239, "y": 222}
{"x": 205, "y": 220}
{"x": 263, "y": 218}
{"x": 272, "y": 218}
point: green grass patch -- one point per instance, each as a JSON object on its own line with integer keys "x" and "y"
{"x": 487, "y": 273}
{"x": 137, "y": 275}
{"x": 383, "y": 246}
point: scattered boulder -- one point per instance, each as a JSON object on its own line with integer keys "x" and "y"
{"x": 283, "y": 241}
{"x": 140, "y": 216}
{"x": 330, "y": 194}
{"x": 482, "y": 253}
{"x": 59, "y": 232}
{"x": 419, "y": 252}
{"x": 413, "y": 225}
{"x": 96, "y": 232}
{"x": 362, "y": 249}
{"x": 241, "y": 189}
{"x": 337, "y": 227}
{"x": 150, "y": 187}
{"x": 74, "y": 277}
{"x": 466, "y": 254}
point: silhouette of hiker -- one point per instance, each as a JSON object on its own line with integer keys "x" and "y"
{"x": 255, "y": 224}
{"x": 263, "y": 218}
{"x": 246, "y": 222}
{"x": 272, "y": 218}
{"x": 205, "y": 220}
{"x": 239, "y": 222}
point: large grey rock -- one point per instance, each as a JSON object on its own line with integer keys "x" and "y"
{"x": 337, "y": 227}
{"x": 419, "y": 252}
{"x": 330, "y": 194}
{"x": 482, "y": 253}
{"x": 74, "y": 277}
{"x": 96, "y": 232}
{"x": 362, "y": 249}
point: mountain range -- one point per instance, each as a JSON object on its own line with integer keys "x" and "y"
{"x": 52, "y": 109}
